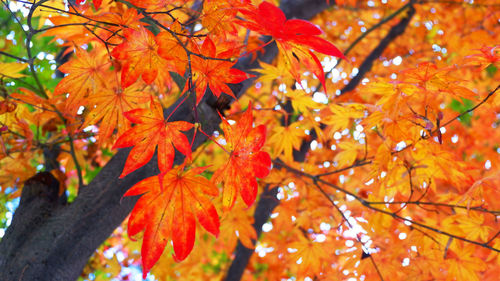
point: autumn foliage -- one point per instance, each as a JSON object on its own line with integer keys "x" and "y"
{"x": 371, "y": 128}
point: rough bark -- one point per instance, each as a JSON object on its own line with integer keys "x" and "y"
{"x": 59, "y": 244}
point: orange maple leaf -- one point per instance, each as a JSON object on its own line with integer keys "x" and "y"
{"x": 85, "y": 75}
{"x": 171, "y": 50}
{"x": 237, "y": 225}
{"x": 153, "y": 130}
{"x": 140, "y": 53}
{"x": 167, "y": 210}
{"x": 246, "y": 161}
{"x": 215, "y": 74}
{"x": 312, "y": 255}
{"x": 109, "y": 105}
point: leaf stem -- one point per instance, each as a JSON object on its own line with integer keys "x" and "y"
{"x": 217, "y": 143}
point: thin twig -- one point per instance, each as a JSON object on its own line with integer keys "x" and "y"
{"x": 368, "y": 205}
{"x": 14, "y": 57}
{"x": 469, "y": 110}
{"x": 356, "y": 164}
{"x": 327, "y": 196}
{"x": 476, "y": 208}
{"x": 493, "y": 238}
{"x": 31, "y": 32}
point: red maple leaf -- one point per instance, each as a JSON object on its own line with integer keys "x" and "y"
{"x": 293, "y": 37}
{"x": 153, "y": 130}
{"x": 97, "y": 3}
{"x": 167, "y": 210}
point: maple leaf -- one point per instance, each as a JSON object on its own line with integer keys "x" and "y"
{"x": 153, "y": 130}
{"x": 269, "y": 73}
{"x": 302, "y": 102}
{"x": 73, "y": 32}
{"x": 14, "y": 169}
{"x": 285, "y": 139}
{"x": 237, "y": 225}
{"x": 127, "y": 17}
{"x": 246, "y": 161}
{"x": 291, "y": 35}
{"x": 312, "y": 254}
{"x": 140, "y": 53}
{"x": 215, "y": 74}
{"x": 472, "y": 225}
{"x": 109, "y": 106}
{"x": 465, "y": 265}
{"x": 7, "y": 106}
{"x": 170, "y": 49}
{"x": 167, "y": 209}
{"x": 485, "y": 187}
{"x": 270, "y": 20}
{"x": 97, "y": 3}
{"x": 85, "y": 75}
{"x": 338, "y": 117}
{"x": 488, "y": 56}
{"x": 348, "y": 154}
{"x": 219, "y": 17}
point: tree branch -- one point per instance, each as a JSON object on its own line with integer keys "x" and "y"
{"x": 242, "y": 254}
{"x": 367, "y": 64}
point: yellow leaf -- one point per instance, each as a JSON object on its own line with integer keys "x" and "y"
{"x": 472, "y": 225}
{"x": 285, "y": 139}
{"x": 309, "y": 255}
{"x": 341, "y": 115}
{"x": 269, "y": 73}
{"x": 463, "y": 264}
{"x": 12, "y": 69}
{"x": 302, "y": 102}
{"x": 348, "y": 154}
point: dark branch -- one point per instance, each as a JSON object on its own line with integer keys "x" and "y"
{"x": 367, "y": 64}
{"x": 266, "y": 205}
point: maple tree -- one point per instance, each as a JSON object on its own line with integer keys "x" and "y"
{"x": 249, "y": 140}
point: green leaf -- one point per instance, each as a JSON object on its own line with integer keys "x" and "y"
{"x": 462, "y": 107}
{"x": 491, "y": 70}
{"x": 90, "y": 173}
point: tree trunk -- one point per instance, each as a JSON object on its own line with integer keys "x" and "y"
{"x": 50, "y": 240}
